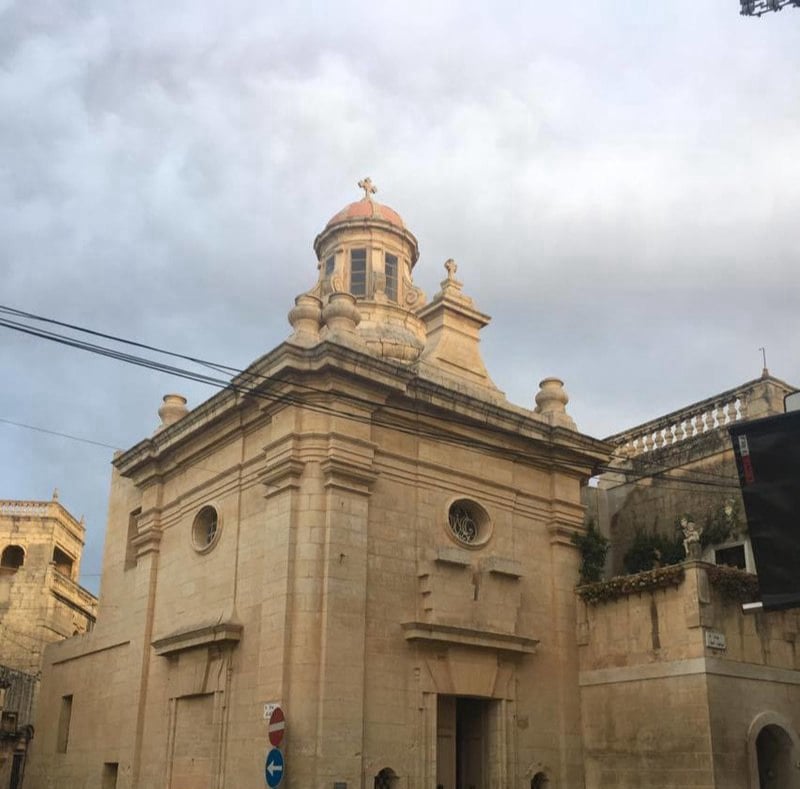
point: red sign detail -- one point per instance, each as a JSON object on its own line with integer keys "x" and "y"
{"x": 276, "y": 727}
{"x": 747, "y": 468}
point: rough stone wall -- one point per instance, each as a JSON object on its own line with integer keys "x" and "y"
{"x": 678, "y": 472}
{"x": 652, "y": 733}
{"x": 664, "y": 708}
{"x": 654, "y": 504}
{"x": 31, "y": 616}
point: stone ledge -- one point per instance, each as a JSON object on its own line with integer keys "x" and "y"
{"x": 498, "y": 565}
{"x": 467, "y": 636}
{"x": 447, "y": 554}
{"x": 227, "y": 632}
{"x": 679, "y": 668}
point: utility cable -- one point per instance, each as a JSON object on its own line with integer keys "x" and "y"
{"x": 250, "y": 390}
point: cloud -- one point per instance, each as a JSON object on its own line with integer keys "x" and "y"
{"x": 617, "y": 184}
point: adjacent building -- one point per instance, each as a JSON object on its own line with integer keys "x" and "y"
{"x": 41, "y": 602}
{"x": 679, "y": 685}
{"x": 682, "y": 465}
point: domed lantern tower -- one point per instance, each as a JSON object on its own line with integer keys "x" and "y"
{"x": 367, "y": 251}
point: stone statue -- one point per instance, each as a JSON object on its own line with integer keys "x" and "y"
{"x": 691, "y": 537}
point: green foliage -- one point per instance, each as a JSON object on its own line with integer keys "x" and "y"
{"x": 593, "y": 547}
{"x": 735, "y": 585}
{"x": 650, "y": 550}
{"x": 721, "y": 524}
{"x": 624, "y": 585}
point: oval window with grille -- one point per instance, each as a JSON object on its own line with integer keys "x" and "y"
{"x": 469, "y": 523}
{"x": 205, "y": 529}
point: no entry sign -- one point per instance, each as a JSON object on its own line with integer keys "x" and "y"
{"x": 276, "y": 727}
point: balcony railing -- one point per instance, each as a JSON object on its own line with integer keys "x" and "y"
{"x": 25, "y": 509}
{"x": 707, "y": 416}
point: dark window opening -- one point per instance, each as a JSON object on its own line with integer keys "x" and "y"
{"x": 540, "y": 781}
{"x": 17, "y": 765}
{"x": 64, "y": 720}
{"x": 13, "y": 557}
{"x": 732, "y": 557}
{"x": 63, "y": 562}
{"x": 391, "y": 277}
{"x": 8, "y": 723}
{"x": 358, "y": 272}
{"x": 110, "y": 772}
{"x": 133, "y": 530}
{"x": 330, "y": 265}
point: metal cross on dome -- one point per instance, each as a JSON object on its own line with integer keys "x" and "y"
{"x": 368, "y": 187}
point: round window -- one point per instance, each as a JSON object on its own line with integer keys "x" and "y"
{"x": 205, "y": 529}
{"x": 469, "y": 523}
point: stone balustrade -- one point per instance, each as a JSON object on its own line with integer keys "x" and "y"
{"x": 25, "y": 509}
{"x": 73, "y": 591}
{"x": 694, "y": 420}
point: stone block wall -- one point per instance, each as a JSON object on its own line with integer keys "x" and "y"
{"x": 674, "y": 682}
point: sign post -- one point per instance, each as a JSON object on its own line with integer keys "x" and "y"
{"x": 273, "y": 768}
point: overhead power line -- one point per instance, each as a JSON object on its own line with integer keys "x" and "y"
{"x": 57, "y": 433}
{"x": 251, "y": 383}
{"x": 252, "y": 387}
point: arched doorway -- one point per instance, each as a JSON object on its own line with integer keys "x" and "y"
{"x": 774, "y": 751}
{"x": 540, "y": 781}
{"x": 386, "y": 779}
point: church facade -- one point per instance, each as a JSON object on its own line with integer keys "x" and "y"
{"x": 361, "y": 529}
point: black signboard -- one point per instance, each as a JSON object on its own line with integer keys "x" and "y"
{"x": 768, "y": 457}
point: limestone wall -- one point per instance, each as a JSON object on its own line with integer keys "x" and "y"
{"x": 38, "y": 603}
{"x": 334, "y": 587}
{"x": 672, "y": 681}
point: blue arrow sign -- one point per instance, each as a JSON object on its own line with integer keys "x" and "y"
{"x": 273, "y": 768}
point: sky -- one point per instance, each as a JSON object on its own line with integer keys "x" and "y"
{"x": 618, "y": 183}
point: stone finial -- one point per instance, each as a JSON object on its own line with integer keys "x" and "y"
{"x": 551, "y": 402}
{"x": 55, "y": 494}
{"x": 306, "y": 318}
{"x": 172, "y": 409}
{"x": 340, "y": 315}
{"x": 368, "y": 187}
{"x": 450, "y": 284}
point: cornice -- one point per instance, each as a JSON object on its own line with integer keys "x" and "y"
{"x": 203, "y": 636}
{"x": 281, "y": 475}
{"x": 288, "y": 365}
{"x": 465, "y": 636}
{"x": 563, "y": 533}
{"x": 348, "y": 475}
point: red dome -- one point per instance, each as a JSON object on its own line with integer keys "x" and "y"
{"x": 367, "y": 209}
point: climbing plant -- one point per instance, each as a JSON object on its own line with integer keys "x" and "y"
{"x": 593, "y": 547}
{"x": 650, "y": 550}
{"x": 721, "y": 524}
